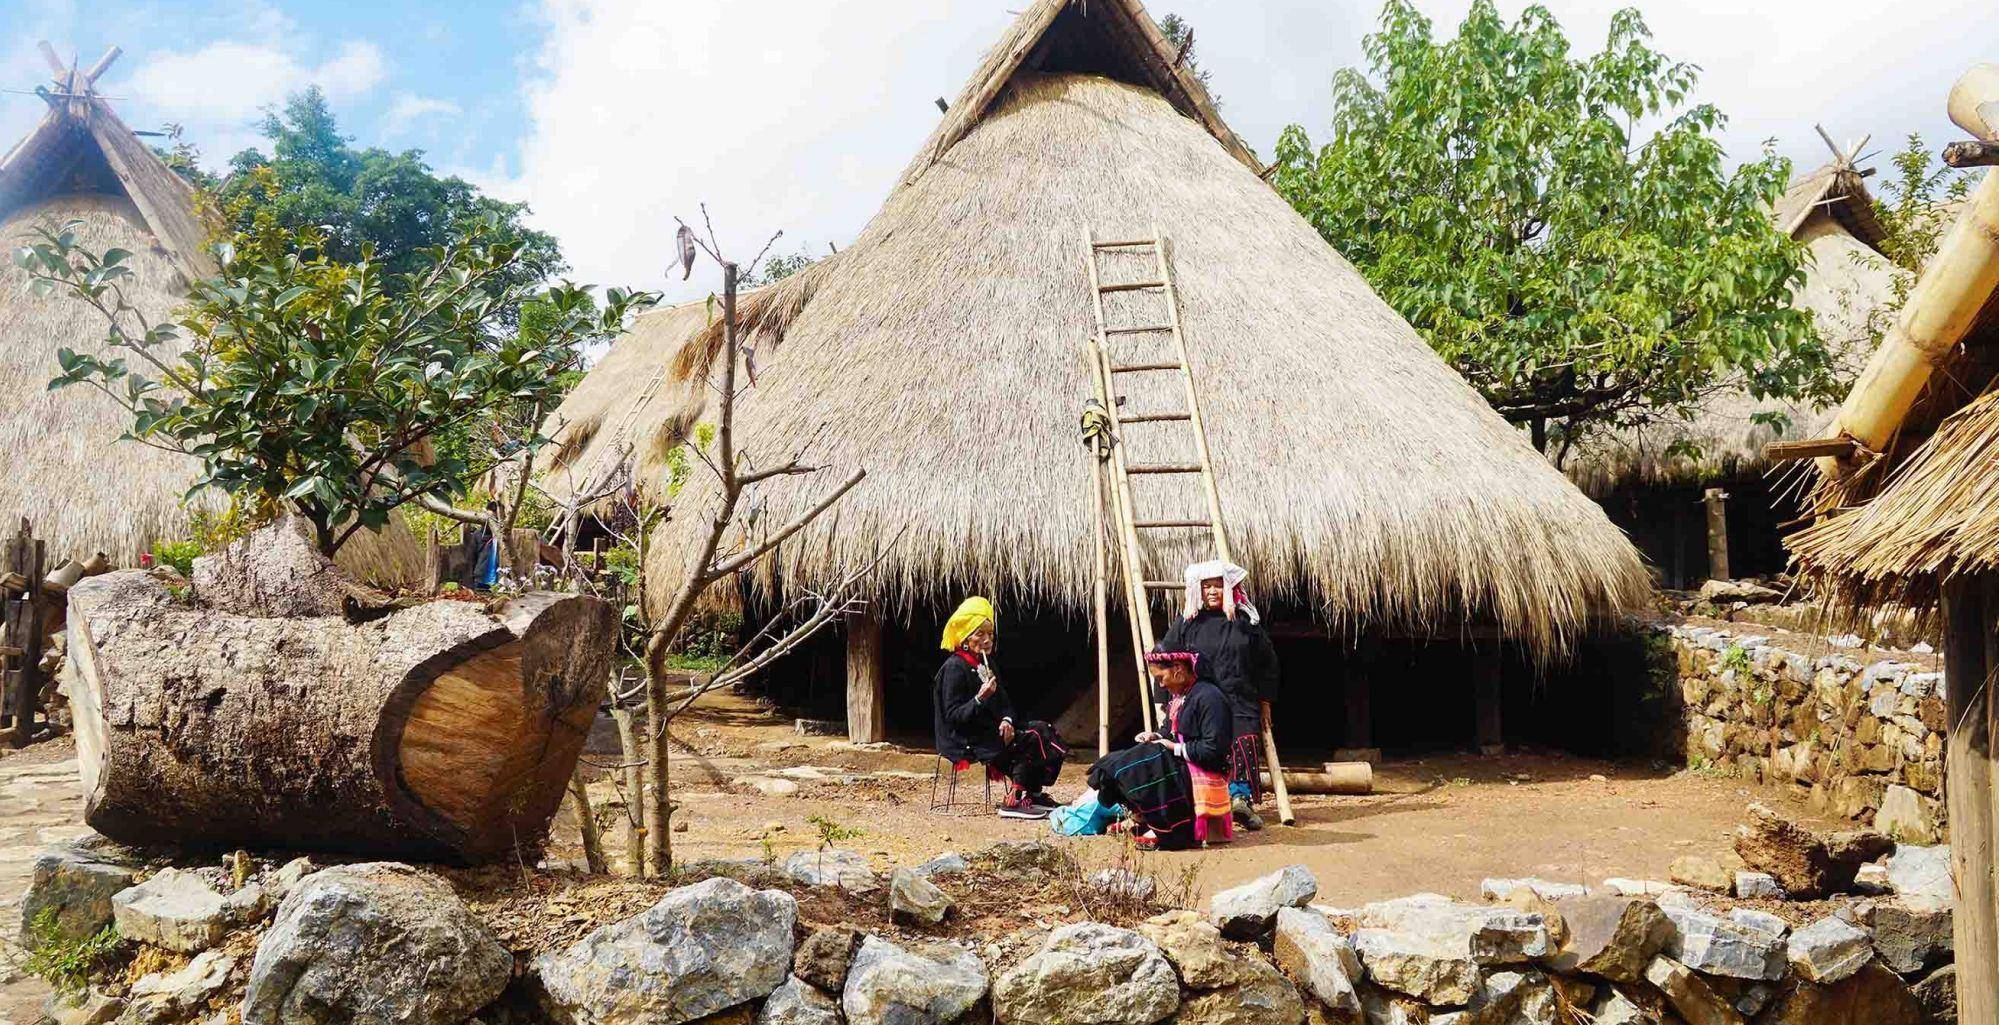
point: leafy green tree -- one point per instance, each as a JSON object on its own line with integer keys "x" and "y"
{"x": 777, "y": 268}
{"x": 1580, "y": 268}
{"x": 304, "y": 381}
{"x": 392, "y": 203}
{"x": 1181, "y": 35}
{"x": 1914, "y": 204}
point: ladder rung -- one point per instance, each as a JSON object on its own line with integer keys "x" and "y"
{"x": 1164, "y": 468}
{"x": 1152, "y": 418}
{"x": 1166, "y": 585}
{"x": 1133, "y": 286}
{"x": 1131, "y": 368}
{"x": 10, "y": 651}
{"x": 1137, "y": 330}
{"x": 1124, "y": 245}
{"x": 1162, "y": 524}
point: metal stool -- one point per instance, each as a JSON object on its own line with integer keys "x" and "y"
{"x": 949, "y": 806}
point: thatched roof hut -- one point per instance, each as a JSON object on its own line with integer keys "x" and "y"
{"x": 1847, "y": 280}
{"x": 943, "y": 351}
{"x": 65, "y": 468}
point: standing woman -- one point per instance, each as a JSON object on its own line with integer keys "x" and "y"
{"x": 1226, "y": 631}
{"x": 975, "y": 718}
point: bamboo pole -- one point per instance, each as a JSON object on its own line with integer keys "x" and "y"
{"x": 1103, "y": 618}
{"x": 1943, "y": 306}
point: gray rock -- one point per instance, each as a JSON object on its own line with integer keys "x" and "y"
{"x": 1260, "y": 996}
{"x": 1871, "y": 879}
{"x": 798, "y": 1002}
{"x": 825, "y": 956}
{"x": 703, "y": 948}
{"x": 1248, "y": 911}
{"x": 1420, "y": 966}
{"x": 375, "y": 942}
{"x": 1307, "y": 946}
{"x": 1488, "y": 935}
{"x": 1386, "y": 1007}
{"x": 1910, "y": 933}
{"x": 912, "y": 898}
{"x": 1089, "y": 974}
{"x": 73, "y": 889}
{"x": 1937, "y": 995}
{"x": 1873, "y": 995}
{"x": 1194, "y": 947}
{"x": 1761, "y": 921}
{"x": 1637, "y": 887}
{"x": 949, "y": 863}
{"x": 1921, "y": 872}
{"x": 912, "y": 984}
{"x": 1611, "y": 936}
{"x": 1757, "y": 886}
{"x": 173, "y": 996}
{"x": 1615, "y": 1008}
{"x": 178, "y": 909}
{"x": 1123, "y": 884}
{"x": 91, "y": 1006}
{"x": 1025, "y": 861}
{"x": 1718, "y": 946}
{"x": 1690, "y": 996}
{"x": 847, "y": 870}
{"x": 1828, "y": 950}
{"x": 1506, "y": 998}
{"x": 1506, "y": 889}
{"x": 288, "y": 875}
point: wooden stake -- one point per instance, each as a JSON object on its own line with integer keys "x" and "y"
{"x": 1284, "y": 814}
{"x": 1717, "y": 533}
{"x": 867, "y": 680}
{"x": 1968, "y": 771}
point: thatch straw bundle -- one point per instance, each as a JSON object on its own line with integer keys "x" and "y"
{"x": 1938, "y": 517}
{"x": 943, "y": 351}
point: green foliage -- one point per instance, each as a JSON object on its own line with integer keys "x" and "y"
{"x": 777, "y": 268}
{"x": 831, "y": 832}
{"x": 1735, "y": 658}
{"x": 178, "y": 554}
{"x": 390, "y": 204}
{"x": 1495, "y": 189}
{"x": 1914, "y": 202}
{"x": 63, "y": 962}
{"x": 1179, "y": 34}
{"x": 320, "y": 385}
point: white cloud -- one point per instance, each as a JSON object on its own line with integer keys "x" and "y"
{"x": 639, "y": 110}
{"x": 219, "y": 90}
{"x": 408, "y": 108}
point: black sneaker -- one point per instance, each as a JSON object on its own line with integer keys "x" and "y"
{"x": 1019, "y": 806}
{"x": 1041, "y": 799}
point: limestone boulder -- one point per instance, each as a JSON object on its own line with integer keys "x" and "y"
{"x": 823, "y": 958}
{"x": 1937, "y": 996}
{"x": 1873, "y": 995}
{"x": 173, "y": 996}
{"x": 1320, "y": 958}
{"x": 912, "y": 984}
{"x": 1910, "y": 933}
{"x": 1806, "y": 864}
{"x": 1025, "y": 861}
{"x": 1431, "y": 969}
{"x": 1089, "y": 974}
{"x": 1915, "y": 871}
{"x": 1701, "y": 872}
{"x": 1611, "y": 936}
{"x": 1194, "y": 947}
{"x": 949, "y": 863}
{"x": 798, "y": 1002}
{"x": 848, "y": 870}
{"x": 1719, "y": 946}
{"x": 1690, "y": 995}
{"x": 702, "y": 949}
{"x": 1488, "y": 935}
{"x": 1261, "y": 995}
{"x": 69, "y": 895}
{"x": 915, "y": 899}
{"x": 1250, "y": 910}
{"x": 179, "y": 910}
{"x": 374, "y": 942}
{"x": 1507, "y": 998}
{"x": 1828, "y": 950}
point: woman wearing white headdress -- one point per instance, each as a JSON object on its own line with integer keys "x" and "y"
{"x": 1236, "y": 655}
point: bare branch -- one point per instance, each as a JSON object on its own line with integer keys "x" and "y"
{"x": 737, "y": 562}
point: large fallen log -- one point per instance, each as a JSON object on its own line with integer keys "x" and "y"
{"x": 439, "y": 730}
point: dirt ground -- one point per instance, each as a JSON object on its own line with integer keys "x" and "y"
{"x": 1440, "y": 823}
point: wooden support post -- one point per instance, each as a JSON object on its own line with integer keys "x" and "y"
{"x": 1283, "y": 792}
{"x": 867, "y": 680}
{"x": 1968, "y": 790}
{"x": 1717, "y": 533}
{"x": 1358, "y": 741}
{"x": 1486, "y": 694}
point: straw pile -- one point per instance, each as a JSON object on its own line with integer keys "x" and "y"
{"x": 943, "y": 351}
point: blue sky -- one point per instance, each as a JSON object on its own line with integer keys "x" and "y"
{"x": 612, "y": 116}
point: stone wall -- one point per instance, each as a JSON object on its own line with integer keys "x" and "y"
{"x": 1856, "y": 731}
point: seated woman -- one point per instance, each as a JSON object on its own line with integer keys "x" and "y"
{"x": 975, "y": 718}
{"x": 1175, "y": 787}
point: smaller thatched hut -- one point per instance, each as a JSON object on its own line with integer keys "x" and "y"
{"x": 62, "y": 465}
{"x": 1652, "y": 480}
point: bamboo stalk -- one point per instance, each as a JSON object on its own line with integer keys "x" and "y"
{"x": 1103, "y": 617}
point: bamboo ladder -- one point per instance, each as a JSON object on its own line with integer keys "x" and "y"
{"x": 1122, "y": 512}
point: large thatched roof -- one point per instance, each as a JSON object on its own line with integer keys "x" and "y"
{"x": 1847, "y": 279}
{"x": 943, "y": 352}
{"x": 63, "y": 466}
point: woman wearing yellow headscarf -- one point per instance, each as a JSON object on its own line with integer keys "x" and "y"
{"x": 975, "y": 719}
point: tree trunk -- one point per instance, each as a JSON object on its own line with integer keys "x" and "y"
{"x": 658, "y": 808}
{"x": 436, "y": 731}
{"x": 634, "y": 770}
{"x": 586, "y": 824}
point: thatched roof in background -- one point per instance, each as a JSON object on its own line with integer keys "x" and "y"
{"x": 61, "y": 463}
{"x": 1846, "y": 280}
{"x": 943, "y": 352}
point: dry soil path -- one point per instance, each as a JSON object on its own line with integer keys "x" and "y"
{"x": 40, "y": 804}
